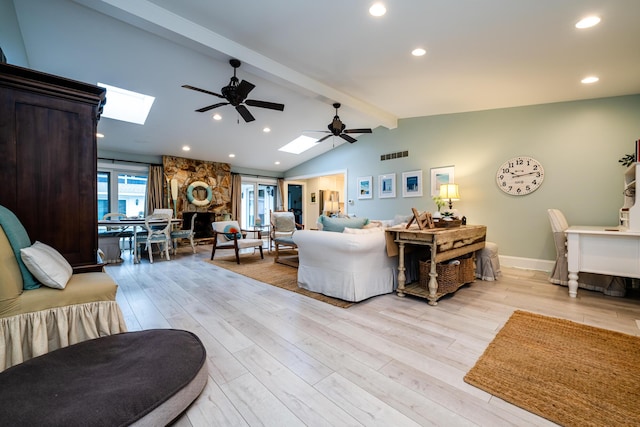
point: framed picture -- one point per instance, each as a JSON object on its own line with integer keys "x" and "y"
{"x": 313, "y": 198}
{"x": 412, "y": 184}
{"x": 387, "y": 186}
{"x": 439, "y": 176}
{"x": 365, "y": 190}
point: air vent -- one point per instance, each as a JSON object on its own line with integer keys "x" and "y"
{"x": 397, "y": 155}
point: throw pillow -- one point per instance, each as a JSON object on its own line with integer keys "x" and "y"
{"x": 338, "y": 224}
{"x": 232, "y": 230}
{"x": 47, "y": 265}
{"x": 18, "y": 238}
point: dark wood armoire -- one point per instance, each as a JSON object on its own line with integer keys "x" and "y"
{"x": 48, "y": 159}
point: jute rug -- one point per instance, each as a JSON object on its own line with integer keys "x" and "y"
{"x": 267, "y": 271}
{"x": 569, "y": 373}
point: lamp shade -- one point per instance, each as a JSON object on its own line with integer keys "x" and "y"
{"x": 449, "y": 191}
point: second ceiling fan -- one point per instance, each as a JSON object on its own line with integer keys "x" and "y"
{"x": 235, "y": 93}
{"x": 337, "y": 128}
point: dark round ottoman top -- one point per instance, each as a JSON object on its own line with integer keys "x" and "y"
{"x": 109, "y": 381}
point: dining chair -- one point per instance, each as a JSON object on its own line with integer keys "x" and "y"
{"x": 123, "y": 232}
{"x": 158, "y": 228}
{"x": 228, "y": 235}
{"x": 184, "y": 234}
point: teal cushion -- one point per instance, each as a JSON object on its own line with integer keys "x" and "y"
{"x": 19, "y": 239}
{"x": 338, "y": 224}
{"x": 230, "y": 231}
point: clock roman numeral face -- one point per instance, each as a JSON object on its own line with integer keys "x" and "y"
{"x": 520, "y": 176}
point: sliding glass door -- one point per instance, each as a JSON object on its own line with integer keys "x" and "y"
{"x": 258, "y": 198}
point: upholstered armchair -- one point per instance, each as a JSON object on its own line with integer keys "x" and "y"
{"x": 229, "y": 235}
{"x": 283, "y": 225}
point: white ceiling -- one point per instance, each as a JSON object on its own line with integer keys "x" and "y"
{"x": 307, "y": 54}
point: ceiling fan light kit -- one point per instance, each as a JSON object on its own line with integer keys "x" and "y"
{"x": 235, "y": 94}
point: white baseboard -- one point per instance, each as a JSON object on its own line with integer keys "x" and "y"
{"x": 526, "y": 263}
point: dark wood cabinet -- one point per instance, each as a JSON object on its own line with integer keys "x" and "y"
{"x": 48, "y": 159}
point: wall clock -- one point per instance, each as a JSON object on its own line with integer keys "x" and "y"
{"x": 520, "y": 176}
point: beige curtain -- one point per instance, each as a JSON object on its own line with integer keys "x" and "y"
{"x": 236, "y": 198}
{"x": 155, "y": 189}
{"x": 281, "y": 205}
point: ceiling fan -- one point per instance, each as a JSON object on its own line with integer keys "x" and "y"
{"x": 236, "y": 93}
{"x": 337, "y": 128}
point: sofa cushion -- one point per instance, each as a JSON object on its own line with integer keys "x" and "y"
{"x": 338, "y": 224}
{"x": 18, "y": 238}
{"x": 47, "y": 265}
{"x": 10, "y": 276}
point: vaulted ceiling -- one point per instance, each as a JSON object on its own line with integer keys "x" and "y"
{"x": 308, "y": 54}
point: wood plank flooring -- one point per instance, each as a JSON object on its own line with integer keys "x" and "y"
{"x": 277, "y": 358}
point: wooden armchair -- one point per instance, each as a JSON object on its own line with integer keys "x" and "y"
{"x": 228, "y": 235}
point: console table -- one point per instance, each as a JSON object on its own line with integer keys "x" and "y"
{"x": 604, "y": 250}
{"x": 445, "y": 244}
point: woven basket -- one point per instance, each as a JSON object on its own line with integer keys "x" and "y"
{"x": 448, "y": 276}
{"x": 467, "y": 273}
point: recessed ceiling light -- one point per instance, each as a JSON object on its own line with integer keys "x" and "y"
{"x": 266, "y": 130}
{"x": 418, "y": 52}
{"x": 589, "y": 80}
{"x": 277, "y": 163}
{"x": 588, "y": 22}
{"x": 186, "y": 148}
{"x": 217, "y": 116}
{"x": 377, "y": 9}
{"x": 99, "y": 135}
{"x": 232, "y": 155}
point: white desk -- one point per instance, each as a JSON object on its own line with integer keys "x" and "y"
{"x": 133, "y": 223}
{"x": 602, "y": 250}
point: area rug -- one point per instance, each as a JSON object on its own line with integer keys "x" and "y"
{"x": 566, "y": 372}
{"x": 267, "y": 271}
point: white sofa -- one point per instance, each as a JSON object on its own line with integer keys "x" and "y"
{"x": 352, "y": 267}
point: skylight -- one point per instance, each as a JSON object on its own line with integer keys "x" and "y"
{"x": 299, "y": 145}
{"x": 126, "y": 105}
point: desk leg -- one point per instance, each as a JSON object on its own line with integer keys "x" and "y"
{"x": 573, "y": 284}
{"x": 401, "y": 276}
{"x": 573, "y": 262}
{"x": 433, "y": 282}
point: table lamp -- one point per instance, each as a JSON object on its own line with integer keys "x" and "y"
{"x": 449, "y": 191}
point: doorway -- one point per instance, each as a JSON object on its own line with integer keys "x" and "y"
{"x": 294, "y": 193}
{"x": 258, "y": 199}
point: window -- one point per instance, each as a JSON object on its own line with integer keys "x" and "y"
{"x": 122, "y": 189}
{"x": 257, "y": 207}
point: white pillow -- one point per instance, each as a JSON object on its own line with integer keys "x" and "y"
{"x": 47, "y": 265}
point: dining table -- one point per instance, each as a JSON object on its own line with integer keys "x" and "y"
{"x": 134, "y": 223}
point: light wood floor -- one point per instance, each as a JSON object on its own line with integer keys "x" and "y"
{"x": 277, "y": 358}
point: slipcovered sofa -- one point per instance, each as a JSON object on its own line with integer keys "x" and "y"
{"x": 36, "y": 319}
{"x": 351, "y": 265}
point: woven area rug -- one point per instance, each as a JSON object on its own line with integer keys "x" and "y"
{"x": 267, "y": 271}
{"x": 569, "y": 373}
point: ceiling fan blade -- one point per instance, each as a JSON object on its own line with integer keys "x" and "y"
{"x": 316, "y": 131}
{"x": 324, "y": 137}
{"x": 211, "y": 107}
{"x": 246, "y": 115}
{"x": 347, "y": 138}
{"x": 243, "y": 89}
{"x": 202, "y": 90}
{"x": 264, "y": 104}
{"x": 358, "y": 131}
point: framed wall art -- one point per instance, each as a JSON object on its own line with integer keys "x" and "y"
{"x": 412, "y": 184}
{"x": 439, "y": 176}
{"x": 387, "y": 186}
{"x": 365, "y": 187}
{"x": 313, "y": 198}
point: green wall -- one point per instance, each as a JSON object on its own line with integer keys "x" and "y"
{"x": 578, "y": 143}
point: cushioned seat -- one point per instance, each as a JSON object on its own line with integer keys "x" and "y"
{"x": 136, "y": 378}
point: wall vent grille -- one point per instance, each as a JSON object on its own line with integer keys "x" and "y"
{"x": 396, "y": 155}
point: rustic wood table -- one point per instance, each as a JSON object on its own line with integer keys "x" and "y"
{"x": 445, "y": 244}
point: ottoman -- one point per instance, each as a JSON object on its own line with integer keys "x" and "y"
{"x": 134, "y": 378}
